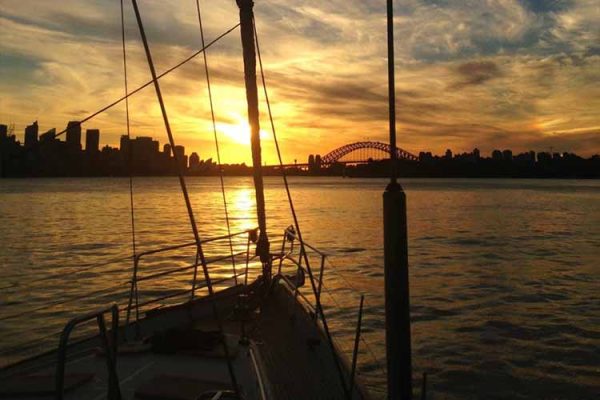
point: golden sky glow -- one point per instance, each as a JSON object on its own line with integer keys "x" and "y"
{"x": 494, "y": 73}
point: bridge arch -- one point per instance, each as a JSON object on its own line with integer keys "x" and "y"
{"x": 335, "y": 155}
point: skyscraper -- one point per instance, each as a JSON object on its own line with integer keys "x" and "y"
{"x": 74, "y": 134}
{"x": 181, "y": 157}
{"x": 144, "y": 149}
{"x": 92, "y": 140}
{"x": 31, "y": 134}
{"x": 124, "y": 145}
{"x": 3, "y": 131}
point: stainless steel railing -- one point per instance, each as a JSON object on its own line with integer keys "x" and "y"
{"x": 288, "y": 246}
{"x": 110, "y": 349}
{"x": 134, "y": 304}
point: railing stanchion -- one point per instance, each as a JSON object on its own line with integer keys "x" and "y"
{"x": 247, "y": 260}
{"x": 320, "y": 285}
{"x": 283, "y": 240}
{"x": 299, "y": 267}
{"x": 137, "y": 309}
{"x": 195, "y": 276}
{"x": 114, "y": 393}
{"x": 356, "y": 343}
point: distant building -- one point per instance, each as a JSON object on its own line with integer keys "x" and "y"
{"x": 525, "y": 158}
{"x": 144, "y": 147}
{"x": 448, "y": 154}
{"x": 311, "y": 160}
{"x": 74, "y": 134}
{"x": 532, "y": 155}
{"x": 3, "y": 132}
{"x": 544, "y": 157}
{"x": 425, "y": 156}
{"x": 49, "y": 135}
{"x": 31, "y": 134}
{"x": 112, "y": 159}
{"x": 167, "y": 149}
{"x": 476, "y": 154}
{"x": 194, "y": 161}
{"x": 507, "y": 155}
{"x": 123, "y": 146}
{"x": 142, "y": 152}
{"x": 318, "y": 161}
{"x": 179, "y": 151}
{"x": 92, "y": 140}
{"x": 497, "y": 155}
{"x": 181, "y": 157}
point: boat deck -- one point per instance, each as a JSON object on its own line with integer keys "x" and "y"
{"x": 287, "y": 357}
{"x": 145, "y": 375}
{"x": 141, "y": 376}
{"x": 297, "y": 360}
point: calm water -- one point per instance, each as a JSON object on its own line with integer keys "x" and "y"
{"x": 504, "y": 273}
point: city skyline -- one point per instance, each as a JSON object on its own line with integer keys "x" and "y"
{"x": 468, "y": 74}
{"x": 95, "y": 132}
{"x": 46, "y": 155}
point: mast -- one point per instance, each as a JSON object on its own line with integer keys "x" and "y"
{"x": 249, "y": 50}
{"x": 397, "y": 300}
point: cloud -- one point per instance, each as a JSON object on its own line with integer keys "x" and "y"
{"x": 510, "y": 73}
{"x": 476, "y": 73}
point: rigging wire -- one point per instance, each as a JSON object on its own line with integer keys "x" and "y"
{"x": 188, "y": 203}
{"x": 214, "y": 124}
{"x": 134, "y": 281}
{"x": 295, "y": 218}
{"x": 130, "y": 150}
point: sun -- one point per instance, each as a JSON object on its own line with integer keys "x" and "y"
{"x": 239, "y": 132}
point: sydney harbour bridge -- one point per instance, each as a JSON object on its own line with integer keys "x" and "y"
{"x": 355, "y": 153}
{"x": 359, "y": 152}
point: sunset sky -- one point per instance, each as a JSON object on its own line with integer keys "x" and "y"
{"x": 470, "y": 73}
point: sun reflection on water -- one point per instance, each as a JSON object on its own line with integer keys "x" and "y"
{"x": 242, "y": 209}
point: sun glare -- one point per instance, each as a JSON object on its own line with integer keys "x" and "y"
{"x": 239, "y": 133}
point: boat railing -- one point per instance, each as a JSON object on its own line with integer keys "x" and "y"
{"x": 134, "y": 305}
{"x": 297, "y": 252}
{"x": 292, "y": 250}
{"x": 109, "y": 346}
